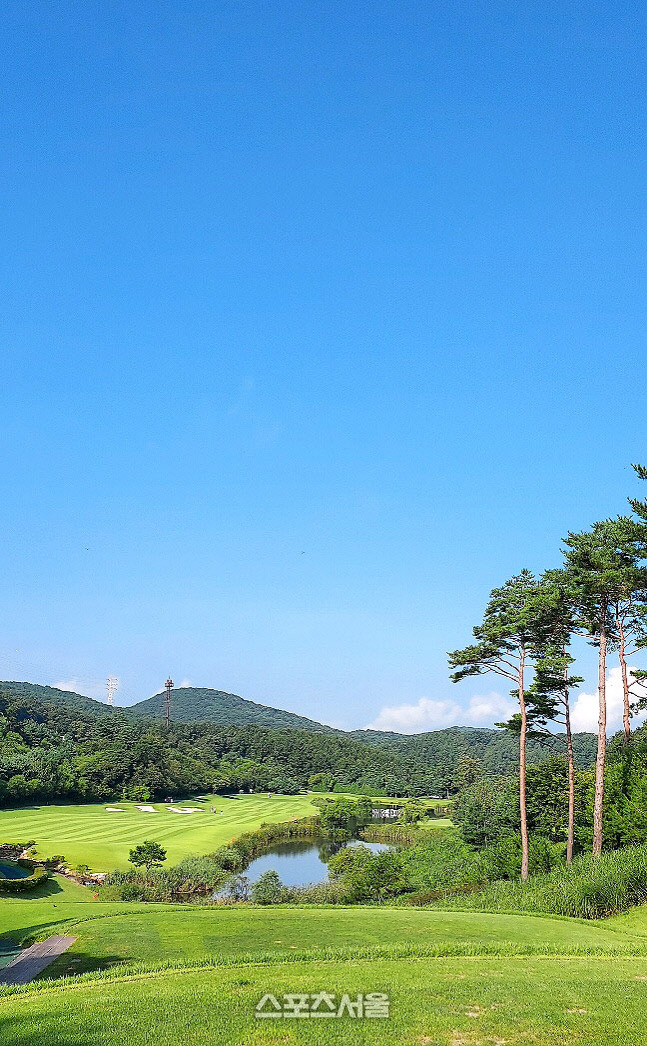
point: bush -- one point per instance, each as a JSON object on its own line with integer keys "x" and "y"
{"x": 593, "y": 887}
{"x": 133, "y": 892}
{"x": 267, "y": 889}
{"x": 366, "y": 876}
{"x": 236, "y": 889}
{"x": 316, "y": 893}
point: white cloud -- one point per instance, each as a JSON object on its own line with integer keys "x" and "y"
{"x": 487, "y": 709}
{"x": 427, "y": 714}
{"x": 185, "y": 682}
{"x": 79, "y": 686}
{"x": 584, "y": 714}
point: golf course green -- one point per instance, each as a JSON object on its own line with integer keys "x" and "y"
{"x": 187, "y": 975}
{"x": 101, "y": 834}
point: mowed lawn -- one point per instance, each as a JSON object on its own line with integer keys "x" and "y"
{"x": 93, "y": 834}
{"x": 112, "y": 933}
{"x": 471, "y": 1001}
{"x": 196, "y": 933}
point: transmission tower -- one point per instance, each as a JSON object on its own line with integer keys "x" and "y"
{"x": 112, "y": 685}
{"x": 169, "y": 687}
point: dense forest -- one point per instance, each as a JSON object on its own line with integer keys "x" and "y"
{"x": 51, "y": 750}
{"x": 202, "y": 705}
{"x": 56, "y": 746}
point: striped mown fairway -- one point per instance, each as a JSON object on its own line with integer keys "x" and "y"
{"x": 95, "y": 835}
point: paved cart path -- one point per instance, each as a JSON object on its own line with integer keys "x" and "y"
{"x": 33, "y": 960}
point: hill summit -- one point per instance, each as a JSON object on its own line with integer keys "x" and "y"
{"x": 202, "y": 705}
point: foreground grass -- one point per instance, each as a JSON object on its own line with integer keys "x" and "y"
{"x": 434, "y": 1002}
{"x": 113, "y": 933}
{"x": 92, "y": 834}
{"x": 146, "y": 935}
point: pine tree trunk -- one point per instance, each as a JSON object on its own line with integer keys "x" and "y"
{"x": 625, "y": 680}
{"x": 522, "y": 769}
{"x": 602, "y": 742}
{"x": 571, "y": 779}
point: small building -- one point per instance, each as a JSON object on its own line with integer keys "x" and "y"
{"x": 386, "y": 813}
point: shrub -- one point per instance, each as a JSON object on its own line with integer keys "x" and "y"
{"x": 590, "y": 889}
{"x": 315, "y": 893}
{"x": 236, "y": 889}
{"x": 133, "y": 892}
{"x": 267, "y": 889}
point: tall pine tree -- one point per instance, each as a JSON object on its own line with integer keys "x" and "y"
{"x": 506, "y": 643}
{"x": 606, "y": 583}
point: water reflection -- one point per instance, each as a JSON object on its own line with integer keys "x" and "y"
{"x": 301, "y": 862}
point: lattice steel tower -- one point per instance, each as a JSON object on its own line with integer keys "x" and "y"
{"x": 169, "y": 686}
{"x": 112, "y": 685}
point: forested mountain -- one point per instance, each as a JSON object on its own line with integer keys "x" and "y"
{"x": 56, "y": 744}
{"x": 54, "y": 749}
{"x": 51, "y": 695}
{"x": 497, "y": 751}
{"x": 194, "y": 704}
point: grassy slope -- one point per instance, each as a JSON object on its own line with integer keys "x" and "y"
{"x": 90, "y": 834}
{"x": 434, "y": 1002}
{"x": 191, "y": 934}
{"x": 468, "y": 999}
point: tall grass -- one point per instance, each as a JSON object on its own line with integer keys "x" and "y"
{"x": 591, "y": 888}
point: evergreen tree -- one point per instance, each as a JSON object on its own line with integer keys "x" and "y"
{"x": 507, "y": 641}
{"x": 606, "y": 584}
{"x": 552, "y": 673}
{"x": 148, "y": 854}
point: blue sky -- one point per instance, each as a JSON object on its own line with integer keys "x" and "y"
{"x": 319, "y": 320}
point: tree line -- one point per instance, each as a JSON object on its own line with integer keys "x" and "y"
{"x": 600, "y": 593}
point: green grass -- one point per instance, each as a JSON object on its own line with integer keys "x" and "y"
{"x": 195, "y": 933}
{"x": 117, "y": 932}
{"x": 435, "y": 822}
{"x": 455, "y": 978}
{"x": 434, "y": 1002}
{"x": 591, "y": 888}
{"x": 90, "y": 834}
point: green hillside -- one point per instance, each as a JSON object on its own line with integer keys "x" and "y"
{"x": 229, "y": 725}
{"x": 203, "y": 705}
{"x": 51, "y": 695}
{"x": 497, "y": 750}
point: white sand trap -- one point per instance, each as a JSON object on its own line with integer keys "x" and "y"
{"x": 115, "y": 810}
{"x": 147, "y": 809}
{"x": 184, "y": 809}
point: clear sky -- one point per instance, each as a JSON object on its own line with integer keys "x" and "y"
{"x": 318, "y": 321}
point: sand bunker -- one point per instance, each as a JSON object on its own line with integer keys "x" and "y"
{"x": 147, "y": 809}
{"x": 115, "y": 810}
{"x": 184, "y": 809}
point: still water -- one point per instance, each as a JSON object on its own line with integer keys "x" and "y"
{"x": 13, "y": 871}
{"x": 301, "y": 862}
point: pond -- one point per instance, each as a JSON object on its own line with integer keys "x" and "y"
{"x": 301, "y": 862}
{"x": 13, "y": 871}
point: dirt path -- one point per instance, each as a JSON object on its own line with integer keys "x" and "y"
{"x": 33, "y": 960}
